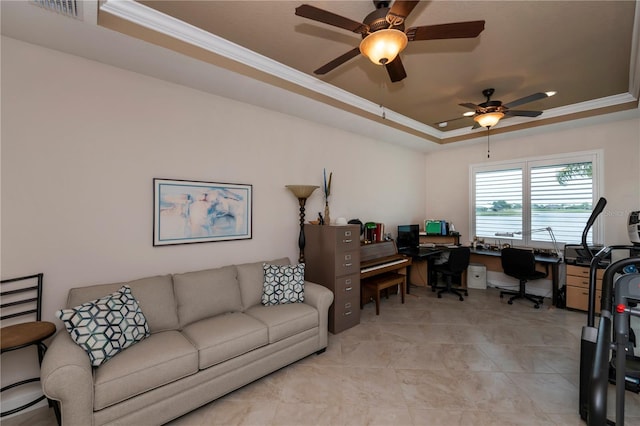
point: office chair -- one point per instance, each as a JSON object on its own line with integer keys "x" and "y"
{"x": 23, "y": 297}
{"x": 521, "y": 264}
{"x": 454, "y": 267}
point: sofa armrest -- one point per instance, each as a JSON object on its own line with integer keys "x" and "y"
{"x": 320, "y": 298}
{"x": 66, "y": 376}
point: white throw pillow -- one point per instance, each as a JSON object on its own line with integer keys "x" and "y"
{"x": 283, "y": 284}
{"x": 106, "y": 326}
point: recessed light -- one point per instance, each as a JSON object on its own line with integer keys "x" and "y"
{"x": 443, "y": 124}
{"x": 551, "y": 93}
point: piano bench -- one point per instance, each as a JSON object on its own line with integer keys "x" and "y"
{"x": 373, "y": 286}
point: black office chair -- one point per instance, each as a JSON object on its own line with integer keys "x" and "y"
{"x": 454, "y": 267}
{"x": 521, "y": 264}
{"x": 23, "y": 297}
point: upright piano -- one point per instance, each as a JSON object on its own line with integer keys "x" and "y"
{"x": 379, "y": 258}
{"x": 381, "y": 267}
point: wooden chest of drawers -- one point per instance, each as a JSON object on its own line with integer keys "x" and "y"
{"x": 332, "y": 257}
{"x": 578, "y": 287}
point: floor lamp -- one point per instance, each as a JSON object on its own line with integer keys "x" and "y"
{"x": 301, "y": 192}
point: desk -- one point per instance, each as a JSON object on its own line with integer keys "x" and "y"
{"x": 491, "y": 259}
{"x": 423, "y": 257}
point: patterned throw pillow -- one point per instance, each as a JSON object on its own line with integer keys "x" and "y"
{"x": 106, "y": 326}
{"x": 283, "y": 284}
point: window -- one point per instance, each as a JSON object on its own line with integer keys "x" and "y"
{"x": 535, "y": 201}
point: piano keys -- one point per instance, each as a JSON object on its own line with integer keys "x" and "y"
{"x": 380, "y": 258}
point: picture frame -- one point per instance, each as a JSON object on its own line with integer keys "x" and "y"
{"x": 188, "y": 211}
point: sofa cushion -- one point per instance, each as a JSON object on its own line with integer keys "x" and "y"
{"x": 285, "y": 320}
{"x": 106, "y": 326}
{"x": 223, "y": 337}
{"x": 204, "y": 294}
{"x": 162, "y": 358}
{"x": 283, "y": 284}
{"x": 251, "y": 279}
{"x": 154, "y": 295}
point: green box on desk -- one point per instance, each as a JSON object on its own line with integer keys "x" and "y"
{"x": 433, "y": 227}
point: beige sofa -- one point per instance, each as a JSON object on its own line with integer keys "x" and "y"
{"x": 210, "y": 335}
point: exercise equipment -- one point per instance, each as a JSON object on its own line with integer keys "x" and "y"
{"x": 613, "y": 359}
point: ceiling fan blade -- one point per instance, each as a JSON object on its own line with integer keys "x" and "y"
{"x": 468, "y": 29}
{"x": 476, "y": 126}
{"x": 470, "y": 106}
{"x": 402, "y": 9}
{"x": 527, "y": 99}
{"x": 520, "y": 113}
{"x": 338, "y": 61}
{"x": 320, "y": 15}
{"x": 396, "y": 70}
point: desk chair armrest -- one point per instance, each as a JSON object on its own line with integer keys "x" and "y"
{"x": 66, "y": 376}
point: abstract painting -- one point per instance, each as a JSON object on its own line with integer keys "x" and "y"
{"x": 197, "y": 212}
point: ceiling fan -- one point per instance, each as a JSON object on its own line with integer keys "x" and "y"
{"x": 488, "y": 113}
{"x": 384, "y": 36}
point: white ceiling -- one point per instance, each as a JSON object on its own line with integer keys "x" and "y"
{"x": 260, "y": 52}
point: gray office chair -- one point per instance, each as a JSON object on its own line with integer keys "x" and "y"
{"x": 521, "y": 264}
{"x": 454, "y": 267}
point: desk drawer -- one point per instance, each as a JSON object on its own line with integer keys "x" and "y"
{"x": 583, "y": 271}
{"x": 582, "y": 282}
{"x": 578, "y": 298}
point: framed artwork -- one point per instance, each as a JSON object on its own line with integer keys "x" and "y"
{"x": 187, "y": 211}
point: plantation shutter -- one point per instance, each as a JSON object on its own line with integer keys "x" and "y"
{"x": 498, "y": 202}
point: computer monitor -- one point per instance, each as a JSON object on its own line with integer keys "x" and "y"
{"x": 408, "y": 236}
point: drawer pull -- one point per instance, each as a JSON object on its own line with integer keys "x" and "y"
{"x": 347, "y": 281}
{"x": 348, "y": 289}
{"x": 347, "y": 257}
{"x": 347, "y": 313}
{"x": 348, "y": 265}
{"x": 347, "y": 241}
{"x": 347, "y": 305}
{"x": 347, "y": 234}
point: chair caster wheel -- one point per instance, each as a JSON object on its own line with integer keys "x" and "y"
{"x": 501, "y": 295}
{"x": 439, "y": 296}
{"x": 461, "y": 299}
{"x": 536, "y": 306}
{"x": 510, "y": 302}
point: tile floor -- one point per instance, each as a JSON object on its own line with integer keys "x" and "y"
{"x": 428, "y": 362}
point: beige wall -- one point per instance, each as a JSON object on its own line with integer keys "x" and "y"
{"x": 81, "y": 143}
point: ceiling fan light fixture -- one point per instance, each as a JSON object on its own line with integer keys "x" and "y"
{"x": 488, "y": 119}
{"x": 382, "y": 46}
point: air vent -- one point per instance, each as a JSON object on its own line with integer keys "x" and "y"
{"x": 69, "y": 8}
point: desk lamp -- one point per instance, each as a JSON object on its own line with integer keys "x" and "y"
{"x": 533, "y": 231}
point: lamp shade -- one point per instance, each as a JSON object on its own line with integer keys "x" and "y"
{"x": 489, "y": 119}
{"x": 383, "y": 46}
{"x": 302, "y": 191}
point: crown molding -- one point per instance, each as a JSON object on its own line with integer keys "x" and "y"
{"x": 152, "y": 19}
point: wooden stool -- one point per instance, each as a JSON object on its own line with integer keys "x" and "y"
{"x": 375, "y": 285}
